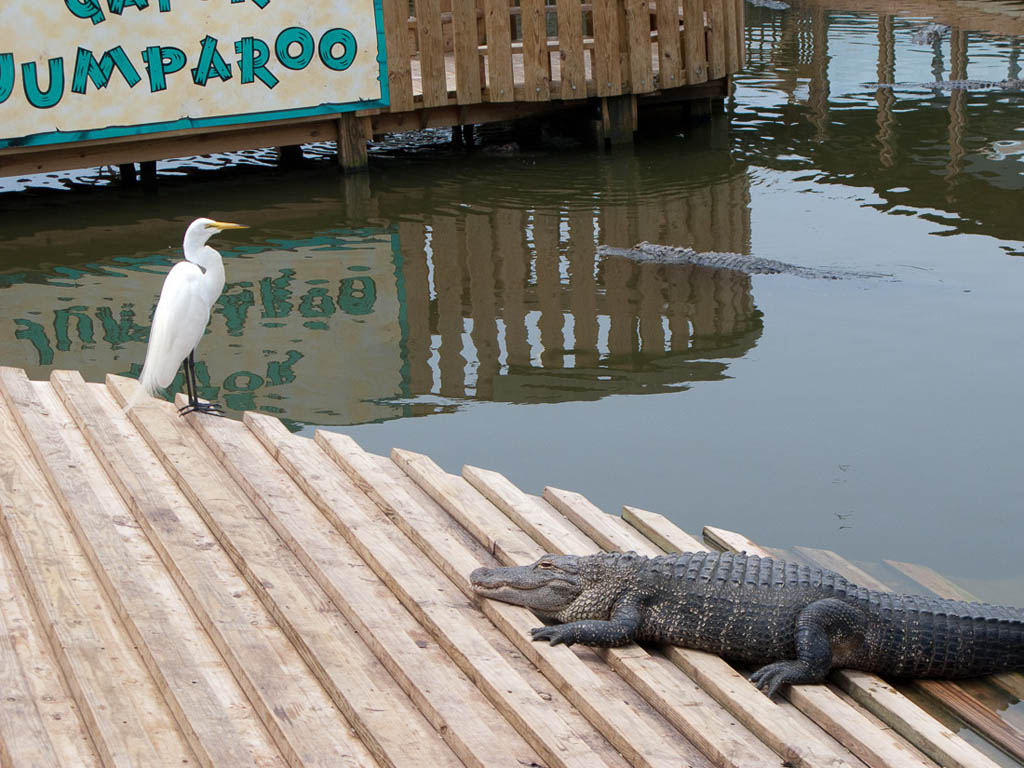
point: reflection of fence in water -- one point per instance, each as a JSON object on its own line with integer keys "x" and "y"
{"x": 514, "y": 305}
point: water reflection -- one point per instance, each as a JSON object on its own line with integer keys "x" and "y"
{"x": 817, "y": 67}
{"x": 491, "y": 301}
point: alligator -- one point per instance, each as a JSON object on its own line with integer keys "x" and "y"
{"x": 1009, "y": 84}
{"x": 750, "y": 265}
{"x": 794, "y": 622}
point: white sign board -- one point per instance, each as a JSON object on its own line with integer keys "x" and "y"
{"x": 73, "y": 70}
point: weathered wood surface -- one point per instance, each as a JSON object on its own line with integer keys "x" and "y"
{"x": 228, "y": 593}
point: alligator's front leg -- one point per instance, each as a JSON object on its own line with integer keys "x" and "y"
{"x": 823, "y": 629}
{"x": 618, "y": 631}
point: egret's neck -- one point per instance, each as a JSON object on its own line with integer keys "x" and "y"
{"x": 207, "y": 259}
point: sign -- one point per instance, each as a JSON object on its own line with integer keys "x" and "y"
{"x": 73, "y": 70}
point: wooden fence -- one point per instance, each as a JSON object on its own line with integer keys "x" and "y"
{"x": 526, "y": 50}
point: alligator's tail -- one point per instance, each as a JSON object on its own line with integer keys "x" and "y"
{"x": 949, "y": 638}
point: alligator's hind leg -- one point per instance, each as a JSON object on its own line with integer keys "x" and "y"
{"x": 823, "y": 629}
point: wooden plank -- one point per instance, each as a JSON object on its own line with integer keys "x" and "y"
{"x": 740, "y": 32}
{"x": 122, "y": 708}
{"x": 902, "y": 715}
{"x": 798, "y": 743}
{"x": 499, "y": 50}
{"x": 467, "y": 58}
{"x": 670, "y": 49}
{"x": 605, "y": 53}
{"x": 40, "y": 725}
{"x": 291, "y": 704}
{"x": 536, "y": 58}
{"x": 731, "y": 39}
{"x": 434, "y": 83}
{"x": 689, "y": 709}
{"x": 383, "y": 717}
{"x": 715, "y": 40}
{"x": 694, "y": 47}
{"x": 396, "y": 41}
{"x": 637, "y": 36}
{"x": 599, "y": 701}
{"x": 931, "y": 580}
{"x": 426, "y": 674}
{"x": 572, "y": 72}
{"x": 868, "y": 742}
{"x": 424, "y": 592}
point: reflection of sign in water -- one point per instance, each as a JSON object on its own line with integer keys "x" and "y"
{"x": 85, "y": 69}
{"x": 301, "y": 327}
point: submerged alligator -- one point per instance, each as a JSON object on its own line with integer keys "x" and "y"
{"x": 1010, "y": 84}
{"x": 750, "y": 265}
{"x": 795, "y": 622}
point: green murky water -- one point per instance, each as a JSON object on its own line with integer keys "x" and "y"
{"x": 454, "y": 303}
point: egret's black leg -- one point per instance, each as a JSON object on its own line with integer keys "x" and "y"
{"x": 192, "y": 384}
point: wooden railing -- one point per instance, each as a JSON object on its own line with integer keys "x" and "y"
{"x": 527, "y": 50}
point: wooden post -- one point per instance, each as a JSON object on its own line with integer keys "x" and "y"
{"x": 352, "y": 154}
{"x": 128, "y": 176}
{"x": 289, "y": 156}
{"x": 618, "y": 118}
{"x": 147, "y": 171}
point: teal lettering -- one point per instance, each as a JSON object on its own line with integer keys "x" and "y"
{"x": 357, "y": 295}
{"x": 288, "y": 37}
{"x": 165, "y": 6}
{"x": 117, "y": 6}
{"x": 62, "y": 322}
{"x": 118, "y": 332}
{"x": 85, "y": 9}
{"x": 37, "y": 337}
{"x": 253, "y": 55}
{"x": 211, "y": 63}
{"x": 6, "y": 75}
{"x": 316, "y": 303}
{"x": 331, "y": 38}
{"x": 86, "y": 68}
{"x": 260, "y": 3}
{"x": 30, "y": 82}
{"x": 274, "y": 294}
{"x": 160, "y": 62}
{"x": 280, "y": 371}
{"x": 235, "y": 306}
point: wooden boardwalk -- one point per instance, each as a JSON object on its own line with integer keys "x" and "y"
{"x": 180, "y": 591}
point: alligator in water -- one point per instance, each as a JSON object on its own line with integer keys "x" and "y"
{"x": 794, "y": 622}
{"x": 750, "y": 265}
{"x": 1010, "y": 84}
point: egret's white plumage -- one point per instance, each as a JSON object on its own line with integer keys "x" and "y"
{"x": 189, "y": 292}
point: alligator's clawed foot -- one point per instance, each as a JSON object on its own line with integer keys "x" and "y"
{"x": 556, "y": 634}
{"x": 200, "y": 407}
{"x": 769, "y": 678}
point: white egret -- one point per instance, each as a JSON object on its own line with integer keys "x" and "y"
{"x": 182, "y": 313}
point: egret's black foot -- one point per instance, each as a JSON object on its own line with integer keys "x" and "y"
{"x": 199, "y": 407}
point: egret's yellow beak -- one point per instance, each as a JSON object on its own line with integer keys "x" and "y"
{"x": 229, "y": 225}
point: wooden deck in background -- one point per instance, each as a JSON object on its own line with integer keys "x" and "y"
{"x": 176, "y": 591}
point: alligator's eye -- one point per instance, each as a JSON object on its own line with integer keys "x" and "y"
{"x": 545, "y": 564}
